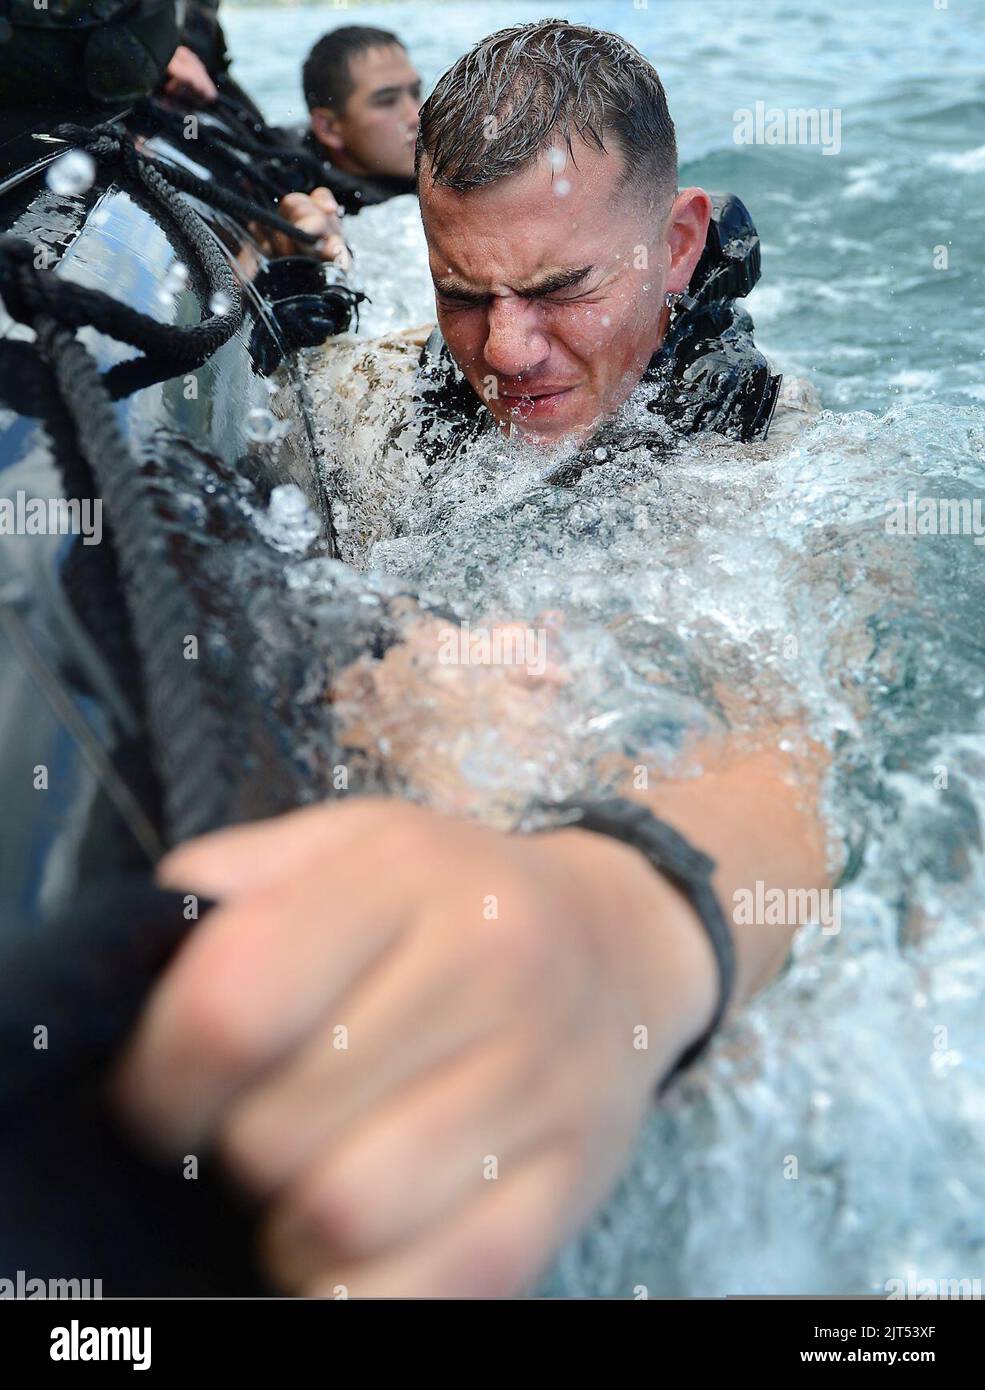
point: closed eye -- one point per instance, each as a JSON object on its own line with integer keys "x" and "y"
{"x": 454, "y": 301}
{"x": 552, "y": 289}
{"x": 583, "y": 298}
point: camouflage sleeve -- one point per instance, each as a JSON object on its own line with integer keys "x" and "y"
{"x": 363, "y": 395}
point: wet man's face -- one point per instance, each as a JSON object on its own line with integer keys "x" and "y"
{"x": 550, "y": 285}
{"x": 376, "y": 131}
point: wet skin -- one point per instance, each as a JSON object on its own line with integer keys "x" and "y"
{"x": 550, "y": 285}
{"x": 376, "y": 130}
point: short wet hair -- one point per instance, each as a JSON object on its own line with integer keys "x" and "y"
{"x": 526, "y": 88}
{"x": 326, "y": 76}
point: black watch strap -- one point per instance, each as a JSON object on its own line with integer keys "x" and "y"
{"x": 687, "y": 868}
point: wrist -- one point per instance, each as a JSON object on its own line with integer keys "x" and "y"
{"x": 655, "y": 936}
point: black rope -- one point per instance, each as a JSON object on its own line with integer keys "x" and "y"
{"x": 28, "y": 292}
{"x": 187, "y": 732}
{"x": 287, "y": 154}
{"x": 115, "y": 147}
{"x": 188, "y": 735}
{"x": 242, "y": 129}
{"x": 226, "y": 147}
{"x": 237, "y": 106}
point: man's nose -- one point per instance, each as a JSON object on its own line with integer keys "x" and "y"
{"x": 515, "y": 341}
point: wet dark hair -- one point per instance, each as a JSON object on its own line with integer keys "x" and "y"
{"x": 524, "y": 88}
{"x": 325, "y": 77}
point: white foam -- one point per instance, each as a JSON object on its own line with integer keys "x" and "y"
{"x": 963, "y": 162}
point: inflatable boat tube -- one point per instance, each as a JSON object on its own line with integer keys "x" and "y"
{"x": 129, "y": 718}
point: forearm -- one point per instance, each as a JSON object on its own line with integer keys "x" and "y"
{"x": 757, "y": 814}
{"x": 754, "y": 809}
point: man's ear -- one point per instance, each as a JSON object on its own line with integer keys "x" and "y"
{"x": 325, "y": 129}
{"x": 687, "y": 231}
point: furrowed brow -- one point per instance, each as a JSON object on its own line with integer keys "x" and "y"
{"x": 556, "y": 281}
{"x": 455, "y": 289}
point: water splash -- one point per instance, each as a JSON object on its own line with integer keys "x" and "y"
{"x": 289, "y": 524}
{"x": 717, "y": 588}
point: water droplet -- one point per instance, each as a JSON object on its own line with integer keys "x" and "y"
{"x": 173, "y": 283}
{"x": 562, "y": 188}
{"x": 557, "y": 158}
{"x": 263, "y": 426}
{"x": 220, "y": 304}
{"x": 73, "y": 173}
{"x": 601, "y": 454}
{"x": 289, "y": 524}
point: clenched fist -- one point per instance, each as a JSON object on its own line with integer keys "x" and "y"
{"x": 415, "y": 1040}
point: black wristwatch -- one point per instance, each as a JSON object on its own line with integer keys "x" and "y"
{"x": 687, "y": 868}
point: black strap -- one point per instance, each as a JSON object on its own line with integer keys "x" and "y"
{"x": 687, "y": 868}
